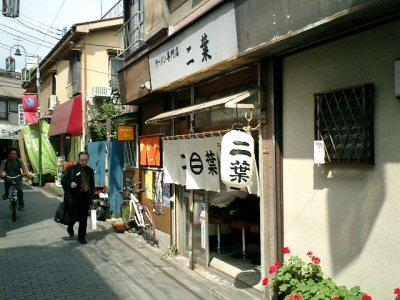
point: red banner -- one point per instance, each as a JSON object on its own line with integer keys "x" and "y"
{"x": 30, "y": 104}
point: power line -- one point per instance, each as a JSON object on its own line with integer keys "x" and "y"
{"x": 57, "y": 38}
{"x": 40, "y": 23}
{"x": 24, "y": 34}
{"x": 9, "y": 47}
{"x": 42, "y": 27}
{"x": 59, "y": 10}
{"x": 25, "y": 39}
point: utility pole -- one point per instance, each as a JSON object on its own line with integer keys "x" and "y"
{"x": 39, "y": 124}
{"x": 108, "y": 136}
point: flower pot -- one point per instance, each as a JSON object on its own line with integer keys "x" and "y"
{"x": 118, "y": 227}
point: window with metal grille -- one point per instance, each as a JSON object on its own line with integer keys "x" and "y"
{"x": 131, "y": 154}
{"x": 344, "y": 121}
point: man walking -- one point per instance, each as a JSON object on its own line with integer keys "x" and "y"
{"x": 12, "y": 167}
{"x": 78, "y": 185}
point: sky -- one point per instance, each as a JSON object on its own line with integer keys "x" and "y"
{"x": 39, "y": 25}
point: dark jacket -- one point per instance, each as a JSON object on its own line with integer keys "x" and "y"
{"x": 74, "y": 197}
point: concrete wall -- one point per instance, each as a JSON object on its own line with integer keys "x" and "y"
{"x": 260, "y": 21}
{"x": 97, "y": 59}
{"x": 62, "y": 80}
{"x": 348, "y": 215}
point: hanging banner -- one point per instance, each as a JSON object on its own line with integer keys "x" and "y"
{"x": 202, "y": 167}
{"x": 21, "y": 116}
{"x": 148, "y": 175}
{"x": 150, "y": 154}
{"x": 237, "y": 159}
{"x": 174, "y": 161}
{"x": 30, "y": 105}
{"x": 193, "y": 162}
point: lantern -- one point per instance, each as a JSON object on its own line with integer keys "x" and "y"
{"x": 237, "y": 159}
{"x": 11, "y": 8}
{"x": 26, "y": 75}
{"x": 10, "y": 64}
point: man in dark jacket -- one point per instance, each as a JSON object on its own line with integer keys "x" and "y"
{"x": 13, "y": 167}
{"x": 78, "y": 185}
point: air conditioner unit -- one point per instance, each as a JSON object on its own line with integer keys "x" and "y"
{"x": 52, "y": 102}
{"x": 101, "y": 91}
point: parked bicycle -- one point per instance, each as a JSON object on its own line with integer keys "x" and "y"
{"x": 13, "y": 196}
{"x": 137, "y": 216}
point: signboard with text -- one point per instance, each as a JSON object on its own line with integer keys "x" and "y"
{"x": 125, "y": 133}
{"x": 208, "y": 42}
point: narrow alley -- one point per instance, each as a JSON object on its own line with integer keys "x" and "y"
{"x": 38, "y": 261}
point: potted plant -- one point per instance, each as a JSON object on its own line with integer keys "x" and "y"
{"x": 298, "y": 280}
{"x": 118, "y": 225}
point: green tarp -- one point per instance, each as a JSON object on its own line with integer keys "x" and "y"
{"x": 31, "y": 140}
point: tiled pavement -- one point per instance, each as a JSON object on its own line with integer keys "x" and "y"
{"x": 37, "y": 261}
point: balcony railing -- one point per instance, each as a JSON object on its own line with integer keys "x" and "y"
{"x": 132, "y": 32}
{"x": 116, "y": 11}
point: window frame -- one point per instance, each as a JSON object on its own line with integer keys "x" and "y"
{"x": 344, "y": 120}
{"x": 6, "y": 110}
{"x": 10, "y": 106}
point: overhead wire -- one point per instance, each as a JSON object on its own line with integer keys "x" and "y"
{"x": 55, "y": 18}
{"x": 43, "y": 26}
{"x": 25, "y": 39}
{"x": 52, "y": 44}
{"x": 57, "y": 38}
{"x": 40, "y": 22}
{"x": 9, "y": 47}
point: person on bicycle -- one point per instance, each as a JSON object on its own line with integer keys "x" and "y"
{"x": 78, "y": 185}
{"x": 13, "y": 166}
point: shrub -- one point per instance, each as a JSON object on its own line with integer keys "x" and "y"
{"x": 298, "y": 280}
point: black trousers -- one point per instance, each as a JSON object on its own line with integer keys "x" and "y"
{"x": 81, "y": 214}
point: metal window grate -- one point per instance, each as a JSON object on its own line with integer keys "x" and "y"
{"x": 344, "y": 121}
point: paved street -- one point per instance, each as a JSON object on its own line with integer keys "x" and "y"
{"x": 37, "y": 261}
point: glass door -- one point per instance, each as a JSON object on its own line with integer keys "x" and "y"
{"x": 200, "y": 229}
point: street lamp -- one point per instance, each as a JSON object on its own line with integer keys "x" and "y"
{"x": 10, "y": 66}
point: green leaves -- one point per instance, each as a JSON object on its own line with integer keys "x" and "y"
{"x": 97, "y": 115}
{"x": 306, "y": 281}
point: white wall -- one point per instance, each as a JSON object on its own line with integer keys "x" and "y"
{"x": 347, "y": 215}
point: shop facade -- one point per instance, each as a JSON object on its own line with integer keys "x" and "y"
{"x": 284, "y": 70}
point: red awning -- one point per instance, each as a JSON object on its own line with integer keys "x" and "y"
{"x": 67, "y": 117}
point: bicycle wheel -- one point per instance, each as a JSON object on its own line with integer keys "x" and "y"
{"x": 14, "y": 211}
{"x": 128, "y": 216}
{"x": 149, "y": 230}
{"x": 13, "y": 201}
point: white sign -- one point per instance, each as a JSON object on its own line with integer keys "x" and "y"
{"x": 237, "y": 159}
{"x": 21, "y": 116}
{"x": 208, "y": 42}
{"x": 31, "y": 60}
{"x": 319, "y": 152}
{"x": 193, "y": 163}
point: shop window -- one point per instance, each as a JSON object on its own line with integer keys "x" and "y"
{"x": 344, "y": 121}
{"x": 13, "y": 106}
{"x": 3, "y": 109}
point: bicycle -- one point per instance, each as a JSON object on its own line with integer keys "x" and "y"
{"x": 13, "y": 196}
{"x": 138, "y": 217}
